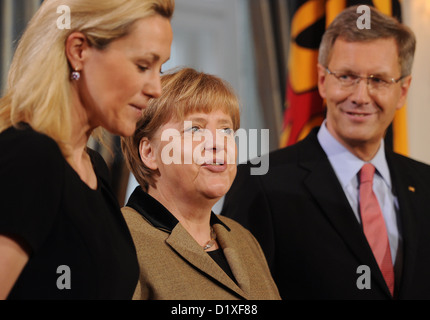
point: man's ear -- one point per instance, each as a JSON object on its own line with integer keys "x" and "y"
{"x": 404, "y": 87}
{"x": 76, "y": 46}
{"x": 321, "y": 80}
{"x": 147, "y": 153}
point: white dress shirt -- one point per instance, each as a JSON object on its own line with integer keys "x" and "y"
{"x": 347, "y": 166}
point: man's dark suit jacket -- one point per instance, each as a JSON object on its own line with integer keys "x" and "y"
{"x": 313, "y": 242}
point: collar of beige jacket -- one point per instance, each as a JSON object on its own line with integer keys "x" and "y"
{"x": 184, "y": 244}
{"x": 154, "y": 212}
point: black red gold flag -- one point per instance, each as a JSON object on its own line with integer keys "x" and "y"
{"x": 304, "y": 108}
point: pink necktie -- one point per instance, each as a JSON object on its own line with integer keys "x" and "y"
{"x": 374, "y": 225}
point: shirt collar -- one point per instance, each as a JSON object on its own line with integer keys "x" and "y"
{"x": 345, "y": 164}
{"x": 156, "y": 214}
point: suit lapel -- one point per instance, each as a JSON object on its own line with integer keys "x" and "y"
{"x": 182, "y": 242}
{"x": 404, "y": 189}
{"x": 226, "y": 241}
{"x": 325, "y": 188}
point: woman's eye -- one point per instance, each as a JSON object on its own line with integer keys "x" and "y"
{"x": 142, "y": 68}
{"x": 193, "y": 129}
{"x": 227, "y": 131}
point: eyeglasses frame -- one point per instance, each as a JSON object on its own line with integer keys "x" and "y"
{"x": 367, "y": 78}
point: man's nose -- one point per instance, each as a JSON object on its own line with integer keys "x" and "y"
{"x": 360, "y": 93}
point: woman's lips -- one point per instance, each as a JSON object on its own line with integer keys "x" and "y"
{"x": 215, "y": 166}
{"x": 138, "y": 109}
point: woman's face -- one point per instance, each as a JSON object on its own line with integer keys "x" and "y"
{"x": 117, "y": 82}
{"x": 196, "y": 157}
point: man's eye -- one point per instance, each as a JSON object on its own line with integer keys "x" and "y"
{"x": 377, "y": 80}
{"x": 347, "y": 77}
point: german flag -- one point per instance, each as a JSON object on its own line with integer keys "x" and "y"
{"x": 304, "y": 108}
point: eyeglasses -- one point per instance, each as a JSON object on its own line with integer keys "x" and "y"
{"x": 376, "y": 83}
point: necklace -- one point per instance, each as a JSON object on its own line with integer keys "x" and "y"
{"x": 211, "y": 242}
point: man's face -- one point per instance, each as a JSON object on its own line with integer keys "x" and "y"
{"x": 359, "y": 115}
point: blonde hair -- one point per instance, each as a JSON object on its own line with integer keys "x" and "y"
{"x": 39, "y": 89}
{"x": 184, "y": 91}
{"x": 344, "y": 27}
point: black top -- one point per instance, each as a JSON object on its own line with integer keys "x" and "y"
{"x": 219, "y": 257}
{"x": 44, "y": 202}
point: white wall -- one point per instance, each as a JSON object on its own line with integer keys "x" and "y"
{"x": 416, "y": 14}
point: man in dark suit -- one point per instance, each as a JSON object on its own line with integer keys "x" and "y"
{"x": 338, "y": 215}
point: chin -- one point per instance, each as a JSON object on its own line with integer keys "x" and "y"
{"x": 358, "y": 137}
{"x": 125, "y": 130}
{"x": 216, "y": 193}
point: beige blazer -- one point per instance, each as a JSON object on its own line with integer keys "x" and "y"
{"x": 174, "y": 266}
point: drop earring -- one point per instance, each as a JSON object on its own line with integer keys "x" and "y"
{"x": 76, "y": 75}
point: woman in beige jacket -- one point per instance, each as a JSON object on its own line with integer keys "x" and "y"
{"x": 183, "y": 156}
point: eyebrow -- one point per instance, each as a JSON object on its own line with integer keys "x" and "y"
{"x": 226, "y": 121}
{"x": 196, "y": 119}
{"x": 204, "y": 120}
{"x": 377, "y": 74}
{"x": 152, "y": 57}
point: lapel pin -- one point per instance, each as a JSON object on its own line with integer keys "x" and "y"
{"x": 411, "y": 189}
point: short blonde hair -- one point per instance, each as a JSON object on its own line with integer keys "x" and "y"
{"x": 39, "y": 90}
{"x": 184, "y": 91}
{"x": 344, "y": 27}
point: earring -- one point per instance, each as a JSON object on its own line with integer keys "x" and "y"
{"x": 76, "y": 75}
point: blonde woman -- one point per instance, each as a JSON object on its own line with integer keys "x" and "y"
{"x": 62, "y": 235}
{"x": 183, "y": 156}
